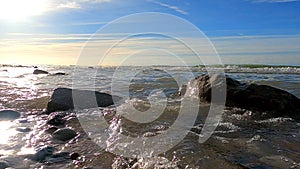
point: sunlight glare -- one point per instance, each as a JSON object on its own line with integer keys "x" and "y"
{"x": 21, "y": 9}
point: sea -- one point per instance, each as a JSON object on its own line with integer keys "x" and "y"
{"x": 237, "y": 141}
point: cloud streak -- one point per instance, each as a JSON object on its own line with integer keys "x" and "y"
{"x": 174, "y": 8}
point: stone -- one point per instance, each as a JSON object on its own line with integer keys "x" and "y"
{"x": 43, "y": 153}
{"x": 37, "y": 72}
{"x": 62, "y": 99}
{"x": 51, "y": 130}
{"x": 3, "y": 165}
{"x": 64, "y": 134}
{"x": 23, "y": 129}
{"x": 9, "y": 115}
{"x": 74, "y": 156}
{"x": 57, "y": 120}
{"x": 265, "y": 101}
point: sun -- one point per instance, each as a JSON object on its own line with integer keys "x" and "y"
{"x": 21, "y": 9}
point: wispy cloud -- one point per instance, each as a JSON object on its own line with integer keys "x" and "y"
{"x": 272, "y": 1}
{"x": 172, "y": 7}
{"x": 73, "y": 4}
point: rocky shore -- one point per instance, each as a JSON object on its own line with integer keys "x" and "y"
{"x": 59, "y": 140}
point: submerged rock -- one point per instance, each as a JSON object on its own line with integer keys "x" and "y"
{"x": 37, "y": 72}
{"x": 43, "y": 153}
{"x": 9, "y": 115}
{"x": 265, "y": 101}
{"x": 3, "y": 165}
{"x": 64, "y": 134}
{"x": 62, "y": 99}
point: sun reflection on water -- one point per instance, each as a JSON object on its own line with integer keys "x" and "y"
{"x": 6, "y": 132}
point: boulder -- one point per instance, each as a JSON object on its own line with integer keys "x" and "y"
{"x": 37, "y": 72}
{"x": 9, "y": 115}
{"x": 62, "y": 99}
{"x": 64, "y": 134}
{"x": 265, "y": 101}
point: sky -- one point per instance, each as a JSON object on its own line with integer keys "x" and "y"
{"x": 69, "y": 32}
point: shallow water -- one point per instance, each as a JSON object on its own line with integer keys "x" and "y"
{"x": 238, "y": 141}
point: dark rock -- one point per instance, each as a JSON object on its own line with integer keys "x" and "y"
{"x": 57, "y": 120}
{"x": 61, "y": 155}
{"x": 62, "y": 99}
{"x": 51, "y": 130}
{"x": 59, "y": 74}
{"x": 9, "y": 115}
{"x": 74, "y": 156}
{"x": 265, "y": 101}
{"x": 64, "y": 134}
{"x": 3, "y": 165}
{"x": 43, "y": 153}
{"x": 37, "y": 72}
{"x": 23, "y": 129}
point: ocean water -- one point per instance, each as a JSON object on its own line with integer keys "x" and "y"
{"x": 238, "y": 142}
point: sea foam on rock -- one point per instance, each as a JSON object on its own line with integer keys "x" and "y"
{"x": 62, "y": 99}
{"x": 265, "y": 101}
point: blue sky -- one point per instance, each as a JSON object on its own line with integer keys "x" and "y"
{"x": 243, "y": 31}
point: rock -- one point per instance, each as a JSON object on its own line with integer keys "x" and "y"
{"x": 9, "y": 115}
{"x": 62, "y": 100}
{"x": 57, "y": 120}
{"x": 37, "y": 72}
{"x": 74, "y": 156}
{"x": 265, "y": 101}
{"x": 3, "y": 165}
{"x": 43, "y": 153}
{"x": 59, "y": 74}
{"x": 64, "y": 134}
{"x": 51, "y": 130}
{"x": 23, "y": 129}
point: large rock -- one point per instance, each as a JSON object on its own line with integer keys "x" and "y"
{"x": 62, "y": 99}
{"x": 9, "y": 115}
{"x": 265, "y": 101}
{"x": 37, "y": 72}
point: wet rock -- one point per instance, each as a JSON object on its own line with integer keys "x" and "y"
{"x": 43, "y": 153}
{"x": 23, "y": 129}
{"x": 74, "y": 156}
{"x": 58, "y": 157}
{"x": 9, "y": 115}
{"x": 51, "y": 130}
{"x": 59, "y": 74}
{"x": 64, "y": 134}
{"x": 62, "y": 99}
{"x": 265, "y": 101}
{"x": 3, "y": 165}
{"x": 57, "y": 120}
{"x": 37, "y": 72}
